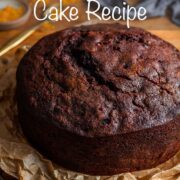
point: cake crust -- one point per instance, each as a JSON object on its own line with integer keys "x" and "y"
{"x": 101, "y": 99}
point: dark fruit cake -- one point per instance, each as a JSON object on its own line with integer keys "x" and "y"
{"x": 101, "y": 99}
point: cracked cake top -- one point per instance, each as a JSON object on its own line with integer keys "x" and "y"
{"x": 101, "y": 80}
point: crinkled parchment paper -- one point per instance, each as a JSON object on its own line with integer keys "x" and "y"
{"x": 20, "y": 160}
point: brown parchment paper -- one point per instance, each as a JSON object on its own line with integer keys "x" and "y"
{"x": 19, "y": 159}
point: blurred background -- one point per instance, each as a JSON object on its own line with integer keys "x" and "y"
{"x": 163, "y": 19}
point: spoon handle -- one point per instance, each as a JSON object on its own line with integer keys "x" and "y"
{"x": 18, "y": 39}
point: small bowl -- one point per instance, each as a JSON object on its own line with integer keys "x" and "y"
{"x": 18, "y": 22}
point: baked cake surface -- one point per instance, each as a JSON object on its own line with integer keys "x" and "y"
{"x": 101, "y": 99}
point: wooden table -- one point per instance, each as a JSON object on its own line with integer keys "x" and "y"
{"x": 159, "y": 26}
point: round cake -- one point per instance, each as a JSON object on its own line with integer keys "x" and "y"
{"x": 101, "y": 99}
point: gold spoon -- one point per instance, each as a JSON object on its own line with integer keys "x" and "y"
{"x": 24, "y": 35}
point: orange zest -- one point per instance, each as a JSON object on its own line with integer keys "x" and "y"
{"x": 10, "y": 13}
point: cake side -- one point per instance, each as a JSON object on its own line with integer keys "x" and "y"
{"x": 110, "y": 155}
